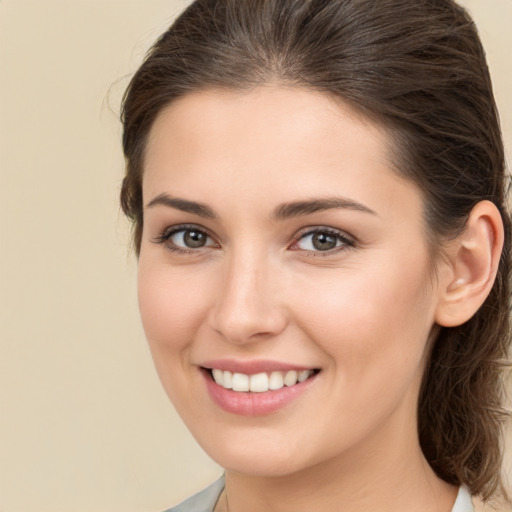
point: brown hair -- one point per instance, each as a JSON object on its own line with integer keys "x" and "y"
{"x": 418, "y": 68}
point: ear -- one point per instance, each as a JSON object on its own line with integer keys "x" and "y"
{"x": 473, "y": 259}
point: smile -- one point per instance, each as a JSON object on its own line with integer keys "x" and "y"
{"x": 259, "y": 382}
{"x": 260, "y": 390}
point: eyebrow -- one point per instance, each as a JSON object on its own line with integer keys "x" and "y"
{"x": 282, "y": 212}
{"x": 184, "y": 205}
{"x": 299, "y": 208}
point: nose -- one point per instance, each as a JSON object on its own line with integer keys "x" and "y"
{"x": 248, "y": 306}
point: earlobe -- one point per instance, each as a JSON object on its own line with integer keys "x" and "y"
{"x": 474, "y": 258}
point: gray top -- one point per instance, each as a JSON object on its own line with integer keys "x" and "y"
{"x": 205, "y": 500}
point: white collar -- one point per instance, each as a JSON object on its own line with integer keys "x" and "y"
{"x": 463, "y": 502}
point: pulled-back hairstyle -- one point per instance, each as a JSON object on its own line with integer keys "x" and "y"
{"x": 416, "y": 67}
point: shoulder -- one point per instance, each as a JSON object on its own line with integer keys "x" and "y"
{"x": 203, "y": 501}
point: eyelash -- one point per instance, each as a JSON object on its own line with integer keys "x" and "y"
{"x": 347, "y": 242}
{"x": 164, "y": 237}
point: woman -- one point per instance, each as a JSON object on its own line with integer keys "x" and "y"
{"x": 318, "y": 196}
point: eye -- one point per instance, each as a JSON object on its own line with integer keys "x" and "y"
{"x": 189, "y": 238}
{"x": 185, "y": 238}
{"x": 323, "y": 240}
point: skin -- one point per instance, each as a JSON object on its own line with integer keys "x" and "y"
{"x": 363, "y": 313}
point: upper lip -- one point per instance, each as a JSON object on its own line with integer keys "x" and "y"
{"x": 254, "y": 366}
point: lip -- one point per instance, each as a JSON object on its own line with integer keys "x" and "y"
{"x": 248, "y": 403}
{"x": 252, "y": 367}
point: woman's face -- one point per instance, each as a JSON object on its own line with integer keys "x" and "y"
{"x": 278, "y": 246}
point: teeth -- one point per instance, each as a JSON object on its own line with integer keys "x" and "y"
{"x": 227, "y": 380}
{"x": 259, "y": 382}
{"x": 276, "y": 380}
{"x": 223, "y": 378}
{"x": 218, "y": 376}
{"x": 303, "y": 375}
{"x": 290, "y": 378}
{"x": 240, "y": 382}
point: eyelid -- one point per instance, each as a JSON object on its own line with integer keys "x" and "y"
{"x": 164, "y": 238}
{"x": 348, "y": 241}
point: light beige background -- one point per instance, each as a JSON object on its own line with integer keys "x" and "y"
{"x": 84, "y": 425}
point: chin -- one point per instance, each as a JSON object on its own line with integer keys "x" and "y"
{"x": 260, "y": 454}
{"x": 260, "y": 465}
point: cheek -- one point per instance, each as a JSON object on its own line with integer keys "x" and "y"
{"x": 171, "y": 306}
{"x": 373, "y": 324}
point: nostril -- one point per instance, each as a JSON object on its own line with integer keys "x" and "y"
{"x": 248, "y": 326}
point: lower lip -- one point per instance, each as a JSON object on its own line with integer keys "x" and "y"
{"x": 254, "y": 404}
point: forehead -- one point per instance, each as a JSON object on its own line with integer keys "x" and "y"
{"x": 267, "y": 117}
{"x": 269, "y": 144}
{"x": 269, "y": 107}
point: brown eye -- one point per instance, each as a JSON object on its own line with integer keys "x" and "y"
{"x": 194, "y": 239}
{"x": 185, "y": 238}
{"x": 323, "y": 240}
